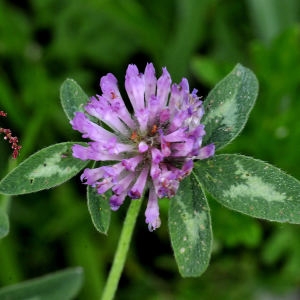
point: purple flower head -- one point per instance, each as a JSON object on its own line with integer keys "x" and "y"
{"x": 153, "y": 147}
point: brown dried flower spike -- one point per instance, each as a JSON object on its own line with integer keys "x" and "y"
{"x": 13, "y": 140}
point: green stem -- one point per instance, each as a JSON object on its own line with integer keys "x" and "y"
{"x": 121, "y": 253}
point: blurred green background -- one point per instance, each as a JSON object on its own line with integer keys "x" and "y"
{"x": 44, "y": 42}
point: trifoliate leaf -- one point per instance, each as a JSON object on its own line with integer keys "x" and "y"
{"x": 73, "y": 98}
{"x": 228, "y": 105}
{"x": 190, "y": 228}
{"x": 251, "y": 186}
{"x": 44, "y": 169}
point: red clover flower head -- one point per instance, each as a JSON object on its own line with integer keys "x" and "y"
{"x": 13, "y": 140}
{"x": 154, "y": 147}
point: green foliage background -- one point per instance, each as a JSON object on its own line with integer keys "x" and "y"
{"x": 44, "y": 42}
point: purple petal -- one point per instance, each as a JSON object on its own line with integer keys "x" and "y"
{"x": 89, "y": 129}
{"x": 182, "y": 149}
{"x": 131, "y": 163}
{"x": 187, "y": 169}
{"x": 91, "y": 176}
{"x": 137, "y": 190}
{"x": 164, "y": 115}
{"x": 113, "y": 171}
{"x": 153, "y": 106}
{"x": 111, "y": 93}
{"x": 142, "y": 116}
{"x": 104, "y": 185}
{"x": 178, "y": 119}
{"x": 135, "y": 87}
{"x": 152, "y": 211}
{"x": 155, "y": 171}
{"x": 85, "y": 153}
{"x": 157, "y": 156}
{"x": 102, "y": 110}
{"x": 163, "y": 88}
{"x": 81, "y": 152}
{"x": 109, "y": 85}
{"x": 150, "y": 82}
{"x": 143, "y": 147}
{"x": 123, "y": 185}
{"x": 206, "y": 152}
{"x": 118, "y": 107}
{"x": 178, "y": 91}
{"x": 111, "y": 146}
{"x": 179, "y": 135}
{"x": 168, "y": 183}
{"x": 116, "y": 201}
{"x": 165, "y": 146}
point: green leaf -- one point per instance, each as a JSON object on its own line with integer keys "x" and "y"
{"x": 99, "y": 209}
{"x": 228, "y": 105}
{"x": 4, "y": 224}
{"x": 251, "y": 186}
{"x": 73, "y": 98}
{"x": 44, "y": 169}
{"x": 190, "y": 228}
{"x": 62, "y": 285}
